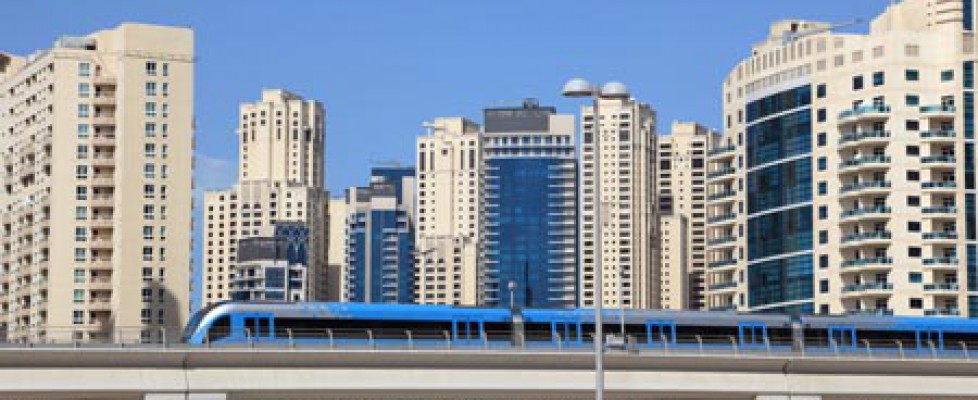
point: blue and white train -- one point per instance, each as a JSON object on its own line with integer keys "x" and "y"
{"x": 377, "y": 324}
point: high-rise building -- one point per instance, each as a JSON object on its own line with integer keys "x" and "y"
{"x": 336, "y": 253}
{"x": 853, "y": 189}
{"x": 625, "y": 131}
{"x": 273, "y": 266}
{"x": 449, "y": 193}
{"x": 97, "y": 142}
{"x": 530, "y": 202}
{"x": 379, "y": 262}
{"x": 682, "y": 206}
{"x": 280, "y": 179}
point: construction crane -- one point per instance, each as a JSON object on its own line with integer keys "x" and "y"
{"x": 793, "y": 36}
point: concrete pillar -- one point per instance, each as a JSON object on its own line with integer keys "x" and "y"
{"x": 185, "y": 396}
{"x": 787, "y": 397}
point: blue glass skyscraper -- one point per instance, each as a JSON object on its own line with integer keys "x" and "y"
{"x": 530, "y": 208}
{"x": 380, "y": 238}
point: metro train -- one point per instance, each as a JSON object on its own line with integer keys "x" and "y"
{"x": 231, "y": 323}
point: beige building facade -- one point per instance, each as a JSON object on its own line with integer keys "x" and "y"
{"x": 681, "y": 187}
{"x": 626, "y": 204}
{"x": 96, "y": 139}
{"x": 280, "y": 178}
{"x": 448, "y": 244}
{"x": 845, "y": 182}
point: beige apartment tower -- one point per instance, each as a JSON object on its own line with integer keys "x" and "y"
{"x": 96, "y": 140}
{"x": 681, "y": 187}
{"x": 625, "y": 130}
{"x": 280, "y": 178}
{"x": 448, "y": 244}
{"x": 845, "y": 182}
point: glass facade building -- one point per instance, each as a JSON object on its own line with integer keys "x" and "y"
{"x": 779, "y": 195}
{"x": 530, "y": 208}
{"x": 380, "y": 239}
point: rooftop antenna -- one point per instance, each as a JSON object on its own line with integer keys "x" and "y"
{"x": 793, "y": 36}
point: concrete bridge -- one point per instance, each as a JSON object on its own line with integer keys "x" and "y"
{"x": 156, "y": 373}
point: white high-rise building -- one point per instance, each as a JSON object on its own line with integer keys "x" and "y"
{"x": 625, "y": 130}
{"x": 449, "y": 213}
{"x": 846, "y": 181}
{"x": 682, "y": 204}
{"x": 96, "y": 141}
{"x": 280, "y": 178}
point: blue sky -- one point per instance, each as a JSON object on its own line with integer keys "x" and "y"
{"x": 383, "y": 67}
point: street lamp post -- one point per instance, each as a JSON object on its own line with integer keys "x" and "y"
{"x": 581, "y": 88}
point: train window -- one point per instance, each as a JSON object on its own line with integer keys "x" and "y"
{"x": 843, "y": 337}
{"x": 752, "y": 334}
{"x": 661, "y": 332}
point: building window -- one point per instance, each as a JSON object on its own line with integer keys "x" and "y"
{"x": 916, "y": 303}
{"x": 913, "y": 226}
{"x": 150, "y": 109}
{"x": 148, "y": 232}
{"x": 823, "y": 187}
{"x": 823, "y": 237}
{"x": 165, "y": 69}
{"x": 150, "y": 129}
{"x": 820, "y": 115}
{"x": 83, "y": 111}
{"x": 823, "y": 261}
{"x": 81, "y": 193}
{"x": 823, "y": 212}
{"x": 913, "y": 150}
{"x": 79, "y": 275}
{"x": 146, "y": 315}
{"x": 913, "y": 100}
{"x": 912, "y": 75}
{"x": 149, "y": 171}
{"x": 81, "y": 213}
{"x": 857, "y": 82}
{"x": 80, "y": 254}
{"x": 81, "y": 172}
{"x": 81, "y": 234}
{"x": 151, "y": 88}
{"x": 916, "y": 277}
{"x": 820, "y": 91}
{"x": 78, "y": 317}
{"x": 147, "y": 253}
{"x": 84, "y": 69}
{"x": 823, "y": 286}
{"x": 84, "y": 89}
{"x": 947, "y": 75}
{"x": 822, "y": 139}
{"x": 164, "y": 110}
{"x": 822, "y": 163}
{"x": 165, "y": 89}
{"x": 83, "y": 131}
{"x": 78, "y": 295}
{"x": 913, "y": 125}
{"x": 151, "y": 68}
{"x": 913, "y": 201}
{"x": 914, "y": 252}
{"x": 913, "y": 176}
{"x": 878, "y": 78}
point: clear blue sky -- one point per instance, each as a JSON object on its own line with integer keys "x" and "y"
{"x": 383, "y": 67}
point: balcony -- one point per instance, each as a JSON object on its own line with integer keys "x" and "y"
{"x": 727, "y": 285}
{"x": 725, "y": 150}
{"x": 725, "y": 195}
{"x": 942, "y": 312}
{"x": 938, "y": 135}
{"x": 940, "y": 210}
{"x": 942, "y": 261}
{"x": 861, "y": 263}
{"x": 104, "y": 99}
{"x": 103, "y": 80}
{"x": 941, "y": 287}
{"x": 864, "y": 137}
{"x": 874, "y": 186}
{"x": 721, "y": 172}
{"x": 723, "y": 240}
{"x": 868, "y": 287}
{"x": 721, "y": 218}
{"x": 871, "y": 312}
{"x": 721, "y": 264}
{"x": 882, "y": 211}
{"x": 938, "y": 159}
{"x": 103, "y": 120}
{"x": 941, "y": 235}
{"x": 863, "y": 112}
{"x": 940, "y": 186}
{"x": 867, "y": 236}
{"x": 867, "y": 161}
{"x": 943, "y": 110}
